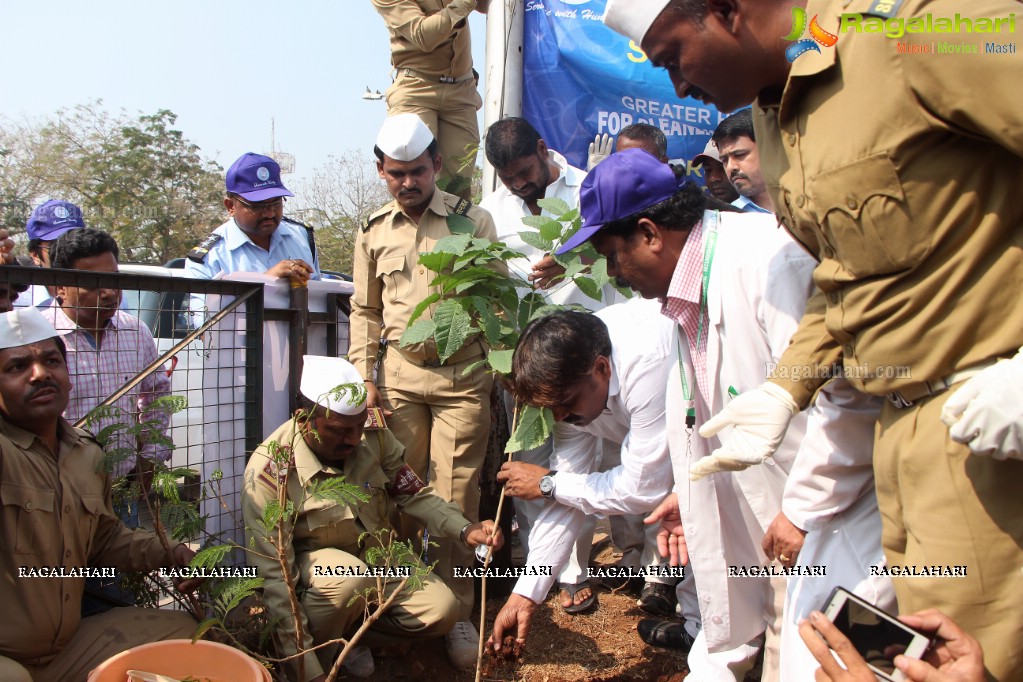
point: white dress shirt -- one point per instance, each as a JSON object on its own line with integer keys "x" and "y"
{"x": 508, "y": 211}
{"x": 641, "y": 357}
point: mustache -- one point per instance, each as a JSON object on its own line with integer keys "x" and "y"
{"x": 42, "y": 386}
{"x": 409, "y": 191}
{"x": 623, "y": 283}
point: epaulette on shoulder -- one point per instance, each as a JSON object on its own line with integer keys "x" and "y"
{"x": 198, "y": 254}
{"x": 457, "y": 205}
{"x": 299, "y": 223}
{"x": 375, "y": 217}
{"x": 86, "y": 434}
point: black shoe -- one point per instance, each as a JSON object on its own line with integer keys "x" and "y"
{"x": 666, "y": 634}
{"x": 657, "y": 599}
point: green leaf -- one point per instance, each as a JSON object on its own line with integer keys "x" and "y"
{"x": 453, "y": 327}
{"x": 473, "y": 366}
{"x": 435, "y": 261}
{"x": 423, "y": 305}
{"x": 589, "y": 287}
{"x": 574, "y": 268}
{"x": 459, "y": 224}
{"x": 545, "y": 310}
{"x": 204, "y": 628}
{"x": 419, "y": 332}
{"x": 551, "y": 231}
{"x": 209, "y": 557}
{"x": 536, "y": 240}
{"x": 455, "y": 244}
{"x": 535, "y": 425}
{"x": 501, "y": 360}
{"x": 489, "y": 321}
{"x": 553, "y": 205}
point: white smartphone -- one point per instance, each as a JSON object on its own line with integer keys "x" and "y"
{"x": 878, "y": 636}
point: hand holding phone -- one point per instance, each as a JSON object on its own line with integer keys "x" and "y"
{"x": 866, "y": 639}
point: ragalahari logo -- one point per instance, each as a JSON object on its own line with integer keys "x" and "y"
{"x": 818, "y": 36}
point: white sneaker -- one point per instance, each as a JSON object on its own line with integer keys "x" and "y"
{"x": 462, "y": 645}
{"x": 359, "y": 662}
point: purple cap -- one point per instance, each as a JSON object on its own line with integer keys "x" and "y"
{"x": 52, "y": 219}
{"x": 255, "y": 177}
{"x": 622, "y": 184}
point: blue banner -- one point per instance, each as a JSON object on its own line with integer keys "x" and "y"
{"x": 581, "y": 78}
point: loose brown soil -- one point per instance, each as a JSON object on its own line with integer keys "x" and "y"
{"x": 601, "y": 646}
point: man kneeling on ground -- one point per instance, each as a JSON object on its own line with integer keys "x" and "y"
{"x": 326, "y": 439}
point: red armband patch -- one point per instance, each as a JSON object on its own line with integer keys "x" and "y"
{"x": 406, "y": 482}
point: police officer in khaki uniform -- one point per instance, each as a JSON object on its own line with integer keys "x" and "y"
{"x": 905, "y": 186}
{"x": 432, "y": 54}
{"x": 326, "y": 440}
{"x": 439, "y": 413}
{"x": 56, "y": 523}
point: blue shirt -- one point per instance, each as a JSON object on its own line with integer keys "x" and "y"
{"x": 746, "y": 204}
{"x": 237, "y": 253}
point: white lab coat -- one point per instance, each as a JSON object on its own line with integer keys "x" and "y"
{"x": 759, "y": 283}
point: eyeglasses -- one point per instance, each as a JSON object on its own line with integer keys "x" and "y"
{"x": 273, "y": 204}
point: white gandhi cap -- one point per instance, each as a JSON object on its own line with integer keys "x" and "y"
{"x": 404, "y": 137}
{"x": 633, "y": 18}
{"x": 321, "y": 375}
{"x": 24, "y": 326}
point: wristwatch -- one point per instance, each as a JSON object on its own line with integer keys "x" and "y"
{"x": 463, "y": 533}
{"x": 547, "y": 485}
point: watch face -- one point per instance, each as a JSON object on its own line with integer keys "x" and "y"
{"x": 546, "y": 485}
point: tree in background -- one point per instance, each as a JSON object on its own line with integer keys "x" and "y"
{"x": 337, "y": 201}
{"x": 137, "y": 178}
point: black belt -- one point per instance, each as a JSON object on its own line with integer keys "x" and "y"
{"x": 446, "y": 80}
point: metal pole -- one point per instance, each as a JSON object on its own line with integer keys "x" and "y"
{"x": 503, "y": 73}
{"x": 298, "y": 332}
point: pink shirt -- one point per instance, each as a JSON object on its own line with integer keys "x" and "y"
{"x": 127, "y": 348}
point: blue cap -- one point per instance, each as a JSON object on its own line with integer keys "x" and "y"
{"x": 622, "y": 184}
{"x": 255, "y": 177}
{"x": 52, "y": 219}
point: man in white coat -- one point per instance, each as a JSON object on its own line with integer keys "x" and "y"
{"x": 736, "y": 286}
{"x": 603, "y": 376}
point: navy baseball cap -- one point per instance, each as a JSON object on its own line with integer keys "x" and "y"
{"x": 52, "y": 219}
{"x": 255, "y": 177}
{"x": 622, "y": 184}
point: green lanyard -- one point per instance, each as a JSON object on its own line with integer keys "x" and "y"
{"x": 708, "y": 260}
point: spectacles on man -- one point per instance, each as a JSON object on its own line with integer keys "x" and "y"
{"x": 273, "y": 204}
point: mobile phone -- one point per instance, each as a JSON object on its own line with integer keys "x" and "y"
{"x": 878, "y": 636}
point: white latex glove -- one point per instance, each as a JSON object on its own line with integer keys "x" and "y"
{"x": 758, "y": 419}
{"x": 600, "y": 149}
{"x": 986, "y": 412}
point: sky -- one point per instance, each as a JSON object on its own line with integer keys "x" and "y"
{"x": 225, "y": 67}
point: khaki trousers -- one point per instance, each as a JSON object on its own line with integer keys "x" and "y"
{"x": 943, "y": 506}
{"x": 100, "y": 637}
{"x": 429, "y": 611}
{"x": 449, "y": 111}
{"x": 443, "y": 420}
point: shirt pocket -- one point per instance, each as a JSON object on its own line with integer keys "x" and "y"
{"x": 865, "y": 218}
{"x": 94, "y": 506}
{"x": 29, "y": 524}
{"x": 397, "y": 282}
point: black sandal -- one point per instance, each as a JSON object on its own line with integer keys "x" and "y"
{"x": 584, "y": 605}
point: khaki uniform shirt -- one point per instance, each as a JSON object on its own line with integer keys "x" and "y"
{"x": 390, "y": 282}
{"x": 904, "y": 182}
{"x": 56, "y": 512}
{"x": 377, "y": 466}
{"x": 427, "y": 36}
